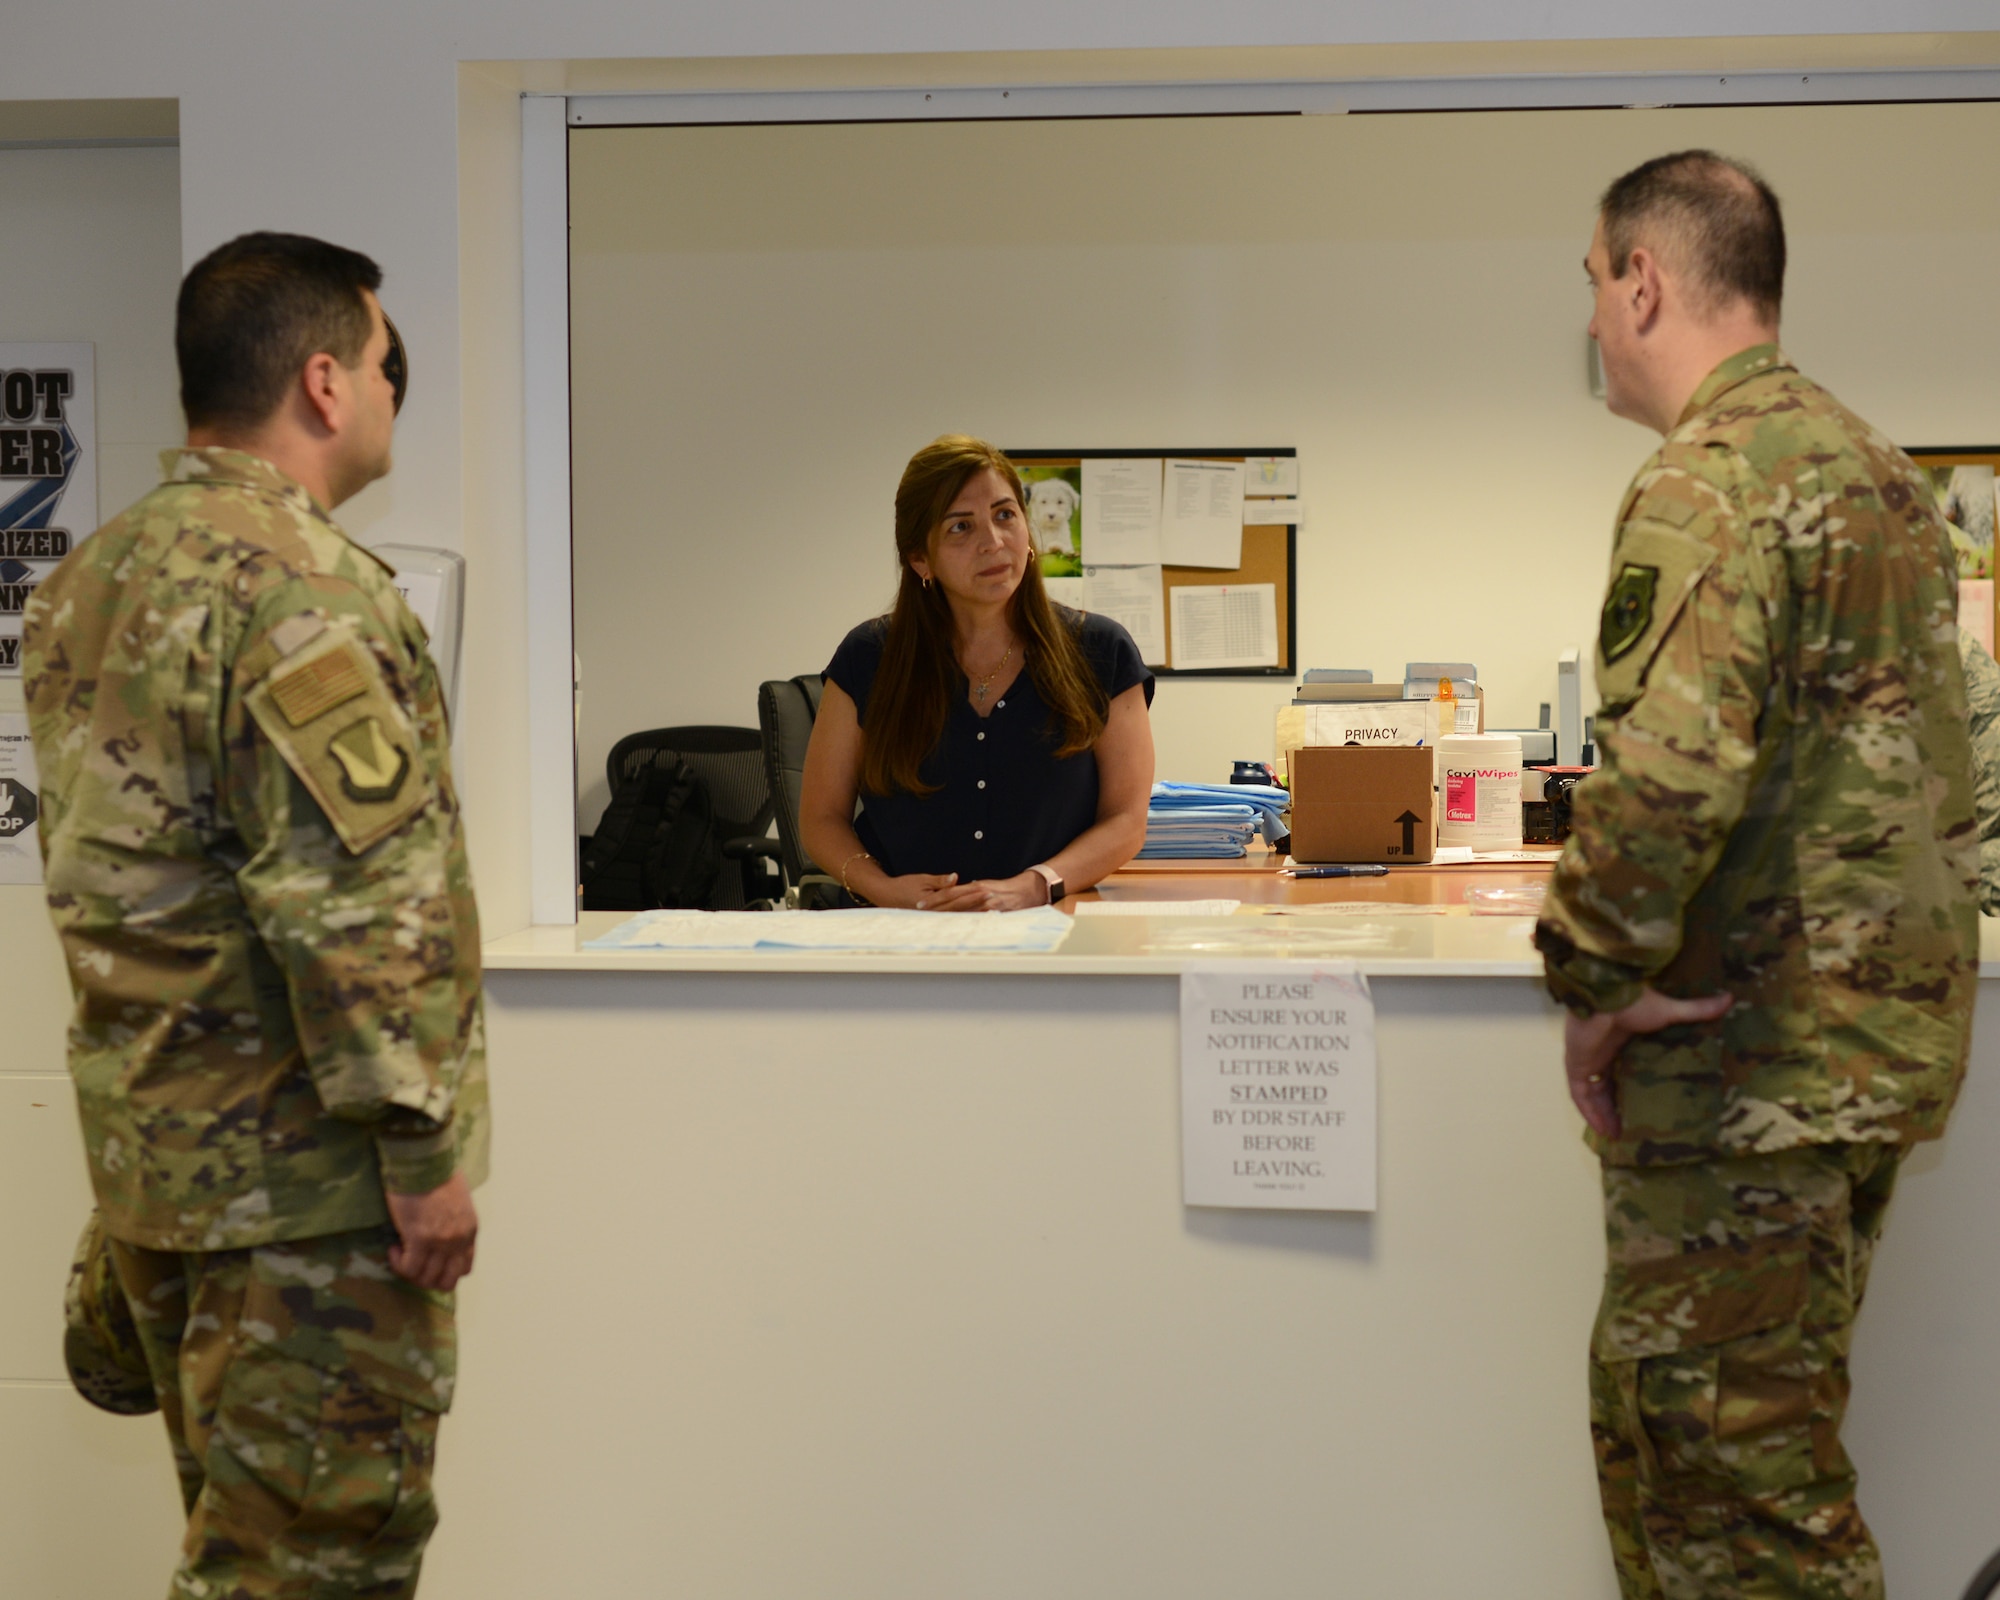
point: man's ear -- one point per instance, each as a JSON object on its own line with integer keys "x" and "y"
{"x": 323, "y": 382}
{"x": 1642, "y": 282}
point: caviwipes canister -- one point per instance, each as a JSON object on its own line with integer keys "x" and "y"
{"x": 1479, "y": 790}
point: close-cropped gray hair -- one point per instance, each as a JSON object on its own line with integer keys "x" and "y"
{"x": 1711, "y": 220}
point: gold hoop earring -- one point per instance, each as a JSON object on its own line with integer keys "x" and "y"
{"x": 927, "y": 583}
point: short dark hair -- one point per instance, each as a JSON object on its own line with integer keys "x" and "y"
{"x": 1714, "y": 220}
{"x": 253, "y": 312}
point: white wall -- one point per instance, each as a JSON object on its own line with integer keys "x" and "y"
{"x": 93, "y": 253}
{"x": 766, "y": 321}
{"x": 350, "y": 122}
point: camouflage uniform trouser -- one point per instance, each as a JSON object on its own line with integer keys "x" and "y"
{"x": 301, "y": 1384}
{"x": 1718, "y": 1375}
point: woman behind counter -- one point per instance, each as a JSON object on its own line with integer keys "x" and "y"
{"x": 999, "y": 742}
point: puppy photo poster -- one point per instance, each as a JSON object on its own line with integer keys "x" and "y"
{"x": 1055, "y": 518}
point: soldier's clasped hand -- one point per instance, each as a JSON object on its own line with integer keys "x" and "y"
{"x": 1591, "y": 1046}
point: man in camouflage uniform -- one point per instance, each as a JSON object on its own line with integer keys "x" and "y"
{"x": 1764, "y": 924}
{"x": 1982, "y": 699}
{"x": 255, "y": 864}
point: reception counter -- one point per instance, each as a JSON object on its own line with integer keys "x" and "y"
{"x": 868, "y": 1276}
{"x": 1413, "y": 922}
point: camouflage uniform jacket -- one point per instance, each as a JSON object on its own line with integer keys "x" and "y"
{"x": 254, "y": 860}
{"x": 1784, "y": 806}
{"x": 1982, "y": 698}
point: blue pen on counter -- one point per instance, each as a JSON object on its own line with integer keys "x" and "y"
{"x": 1334, "y": 872}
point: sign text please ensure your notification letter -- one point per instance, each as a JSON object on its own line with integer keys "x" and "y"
{"x": 1277, "y": 1086}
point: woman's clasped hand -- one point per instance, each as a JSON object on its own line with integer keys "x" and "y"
{"x": 946, "y": 893}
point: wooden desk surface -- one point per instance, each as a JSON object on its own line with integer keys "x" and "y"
{"x": 1255, "y": 880}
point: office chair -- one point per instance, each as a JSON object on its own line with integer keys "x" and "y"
{"x": 786, "y": 708}
{"x": 730, "y": 762}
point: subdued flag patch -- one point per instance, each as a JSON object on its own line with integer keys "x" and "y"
{"x": 315, "y": 687}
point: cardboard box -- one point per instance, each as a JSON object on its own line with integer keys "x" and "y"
{"x": 1362, "y": 803}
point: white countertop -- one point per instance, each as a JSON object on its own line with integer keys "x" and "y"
{"x": 1382, "y": 942}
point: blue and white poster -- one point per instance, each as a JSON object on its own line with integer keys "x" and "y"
{"x": 48, "y": 471}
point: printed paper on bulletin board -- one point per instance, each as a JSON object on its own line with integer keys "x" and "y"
{"x": 1270, "y": 550}
{"x": 1267, "y": 558}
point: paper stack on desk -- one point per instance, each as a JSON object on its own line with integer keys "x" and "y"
{"x": 1197, "y": 820}
{"x": 876, "y": 931}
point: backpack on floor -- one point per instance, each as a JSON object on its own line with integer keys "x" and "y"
{"x": 655, "y": 845}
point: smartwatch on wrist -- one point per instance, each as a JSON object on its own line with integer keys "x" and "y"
{"x": 1052, "y": 878}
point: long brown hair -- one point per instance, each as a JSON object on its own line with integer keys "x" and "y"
{"x": 919, "y": 677}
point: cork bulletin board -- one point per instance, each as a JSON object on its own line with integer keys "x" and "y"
{"x": 1269, "y": 555}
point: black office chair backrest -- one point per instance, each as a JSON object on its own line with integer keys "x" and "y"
{"x": 730, "y": 762}
{"x": 786, "y": 708}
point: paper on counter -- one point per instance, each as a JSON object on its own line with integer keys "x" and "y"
{"x": 877, "y": 931}
{"x": 1274, "y": 513}
{"x": 1156, "y": 908}
{"x": 1463, "y": 855}
{"x": 1271, "y": 475}
{"x": 1121, "y": 511}
{"x": 1225, "y": 625}
{"x": 1131, "y": 596}
{"x": 1201, "y": 515}
{"x": 1365, "y": 908}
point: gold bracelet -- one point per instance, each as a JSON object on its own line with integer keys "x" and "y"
{"x": 859, "y": 855}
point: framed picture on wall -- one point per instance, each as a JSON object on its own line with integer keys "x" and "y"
{"x": 1963, "y": 478}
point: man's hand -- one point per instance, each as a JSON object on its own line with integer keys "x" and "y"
{"x": 1591, "y": 1045}
{"x": 437, "y": 1231}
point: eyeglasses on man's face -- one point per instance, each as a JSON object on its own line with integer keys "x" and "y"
{"x": 396, "y": 363}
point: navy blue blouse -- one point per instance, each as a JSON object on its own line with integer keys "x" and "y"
{"x": 1003, "y": 802}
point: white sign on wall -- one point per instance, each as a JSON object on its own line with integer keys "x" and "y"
{"x": 1277, "y": 1086}
{"x": 20, "y": 803}
{"x": 48, "y": 471}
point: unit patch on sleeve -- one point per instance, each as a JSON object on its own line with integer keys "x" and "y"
{"x": 1655, "y": 568}
{"x": 372, "y": 769}
{"x": 328, "y": 713}
{"x": 1628, "y": 610}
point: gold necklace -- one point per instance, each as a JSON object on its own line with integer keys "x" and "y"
{"x": 986, "y": 682}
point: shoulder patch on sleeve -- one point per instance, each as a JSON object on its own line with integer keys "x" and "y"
{"x": 1654, "y": 570}
{"x": 373, "y": 769}
{"x": 328, "y": 713}
{"x": 1628, "y": 609}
